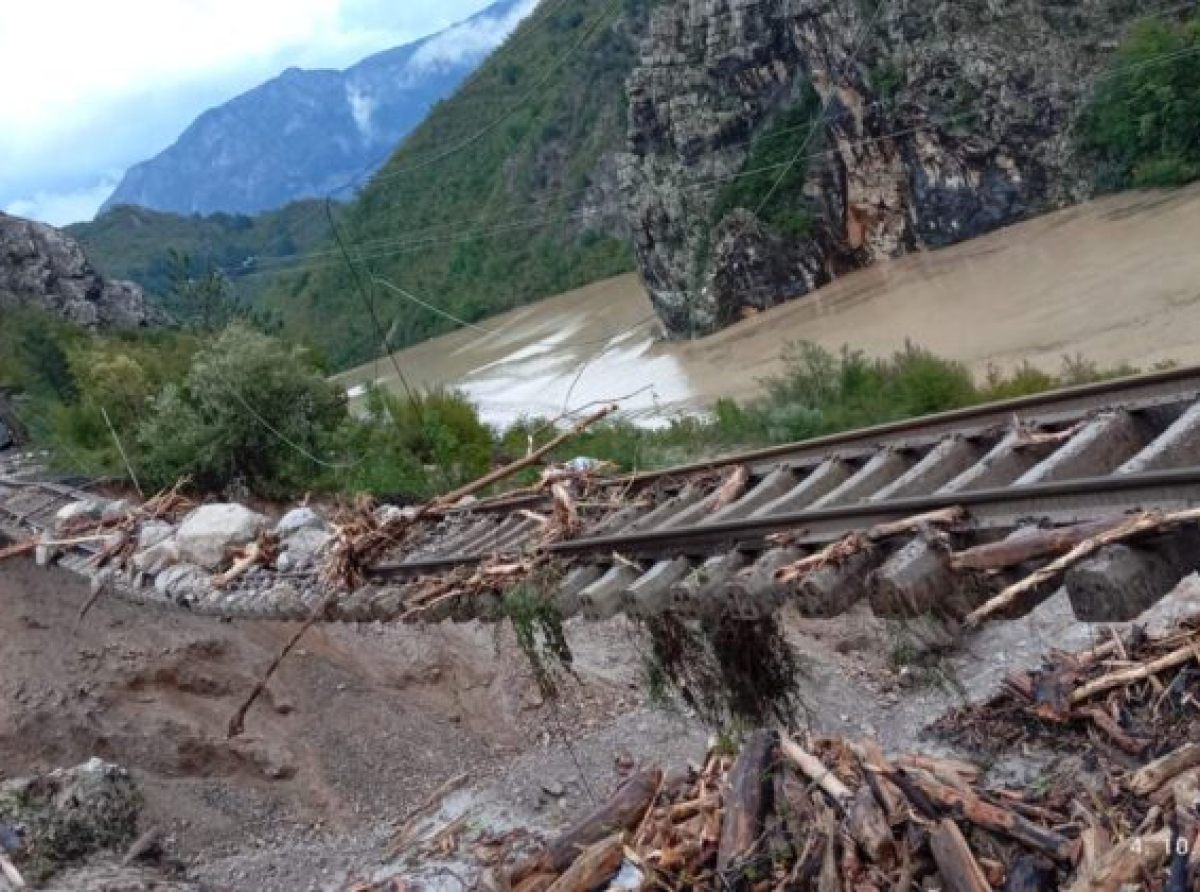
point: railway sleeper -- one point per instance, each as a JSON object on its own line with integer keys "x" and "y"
{"x": 883, "y": 468}
{"x": 941, "y": 464}
{"x": 917, "y": 579}
{"x": 835, "y": 588}
{"x": 566, "y": 598}
{"x": 603, "y": 598}
{"x": 1007, "y": 460}
{"x": 1176, "y": 447}
{"x": 1101, "y": 446}
{"x": 651, "y": 594}
{"x": 1122, "y": 581}
{"x": 753, "y": 592}
{"x": 699, "y": 593}
{"x": 823, "y": 479}
{"x": 777, "y": 483}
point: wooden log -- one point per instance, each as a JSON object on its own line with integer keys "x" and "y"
{"x": 940, "y": 517}
{"x": 19, "y": 549}
{"x": 1128, "y": 862}
{"x": 681, "y": 811}
{"x": 595, "y": 867}
{"x": 1030, "y": 544}
{"x": 539, "y": 882}
{"x": 745, "y": 800}
{"x": 970, "y": 807}
{"x": 1153, "y": 775}
{"x": 959, "y": 870}
{"x": 623, "y": 811}
{"x": 1133, "y": 526}
{"x": 814, "y": 769}
{"x": 1031, "y": 873}
{"x": 954, "y": 772}
{"x": 1134, "y": 673}
{"x": 869, "y": 826}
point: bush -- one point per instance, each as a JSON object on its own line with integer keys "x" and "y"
{"x": 1142, "y": 124}
{"x": 251, "y": 411}
{"x": 413, "y": 449}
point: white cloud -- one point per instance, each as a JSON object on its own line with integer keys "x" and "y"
{"x": 103, "y": 85}
{"x": 471, "y": 39}
{"x": 61, "y": 208}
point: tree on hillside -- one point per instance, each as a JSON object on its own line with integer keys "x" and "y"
{"x": 205, "y": 301}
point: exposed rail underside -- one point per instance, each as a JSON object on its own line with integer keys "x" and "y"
{"x": 666, "y": 541}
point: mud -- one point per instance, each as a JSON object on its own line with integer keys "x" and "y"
{"x": 1114, "y": 281}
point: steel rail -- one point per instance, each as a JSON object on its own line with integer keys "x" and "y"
{"x": 1054, "y": 406}
{"x": 1004, "y": 507}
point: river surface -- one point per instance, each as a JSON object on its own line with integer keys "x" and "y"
{"x": 1114, "y": 281}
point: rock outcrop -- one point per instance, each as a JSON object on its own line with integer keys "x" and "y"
{"x": 941, "y": 121}
{"x": 41, "y": 267}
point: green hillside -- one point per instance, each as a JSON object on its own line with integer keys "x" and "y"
{"x": 493, "y": 201}
{"x": 135, "y": 243}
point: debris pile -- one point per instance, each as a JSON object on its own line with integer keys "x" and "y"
{"x": 789, "y": 812}
{"x": 50, "y": 821}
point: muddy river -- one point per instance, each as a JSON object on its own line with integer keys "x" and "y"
{"x": 1115, "y": 281}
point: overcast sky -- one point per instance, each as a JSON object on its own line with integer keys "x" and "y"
{"x": 94, "y": 86}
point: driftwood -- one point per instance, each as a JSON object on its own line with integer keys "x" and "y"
{"x": 745, "y": 800}
{"x": 814, "y": 769}
{"x": 1132, "y": 674}
{"x": 970, "y": 807}
{"x": 529, "y": 460}
{"x": 1126, "y": 863}
{"x": 732, "y": 488}
{"x": 957, "y": 866}
{"x": 21, "y": 548}
{"x": 621, "y": 812}
{"x": 1134, "y": 526}
{"x": 1150, "y": 777}
{"x": 594, "y": 867}
{"x": 1030, "y": 544}
{"x": 10, "y": 874}
{"x": 845, "y": 548}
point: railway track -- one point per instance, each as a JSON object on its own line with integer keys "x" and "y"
{"x": 675, "y": 540}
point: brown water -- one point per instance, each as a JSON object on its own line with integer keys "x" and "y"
{"x": 1115, "y": 281}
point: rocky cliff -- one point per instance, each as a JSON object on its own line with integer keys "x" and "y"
{"x": 43, "y": 268}
{"x": 913, "y": 124}
{"x": 306, "y": 133}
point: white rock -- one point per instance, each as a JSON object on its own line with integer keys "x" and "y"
{"x": 209, "y": 532}
{"x": 157, "y": 557}
{"x": 304, "y": 545}
{"x": 153, "y": 532}
{"x": 84, "y": 510}
{"x": 183, "y": 583}
{"x": 300, "y": 519}
{"x": 115, "y": 510}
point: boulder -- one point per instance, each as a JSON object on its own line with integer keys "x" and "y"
{"x": 211, "y": 531}
{"x": 157, "y": 557}
{"x": 154, "y": 532}
{"x": 87, "y": 509}
{"x": 184, "y": 584}
{"x": 300, "y": 519}
{"x": 69, "y": 814}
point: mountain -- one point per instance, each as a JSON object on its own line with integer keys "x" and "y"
{"x": 42, "y": 268}
{"x": 305, "y": 133}
{"x": 506, "y": 193}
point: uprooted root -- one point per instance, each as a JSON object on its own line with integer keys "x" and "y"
{"x": 729, "y": 669}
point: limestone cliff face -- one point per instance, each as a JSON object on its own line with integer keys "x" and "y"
{"x": 944, "y": 119}
{"x": 43, "y": 268}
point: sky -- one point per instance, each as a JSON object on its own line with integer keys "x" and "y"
{"x": 93, "y": 87}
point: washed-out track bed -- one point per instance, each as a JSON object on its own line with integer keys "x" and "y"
{"x": 673, "y": 541}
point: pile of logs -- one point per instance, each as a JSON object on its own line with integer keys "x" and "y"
{"x": 834, "y": 814}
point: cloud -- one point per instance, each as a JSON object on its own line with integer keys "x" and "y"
{"x": 105, "y": 85}
{"x": 61, "y": 208}
{"x": 471, "y": 39}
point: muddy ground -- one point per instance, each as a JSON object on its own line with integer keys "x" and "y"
{"x": 363, "y": 723}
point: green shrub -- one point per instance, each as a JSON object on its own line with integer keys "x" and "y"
{"x": 251, "y": 412}
{"x": 1141, "y": 126}
{"x": 414, "y": 448}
